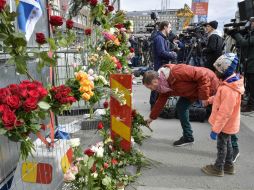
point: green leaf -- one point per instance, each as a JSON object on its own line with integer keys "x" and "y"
{"x": 90, "y": 163}
{"x": 63, "y": 42}
{"x": 43, "y": 105}
{"x": 21, "y": 64}
{"x": 52, "y": 44}
{"x": 2, "y": 131}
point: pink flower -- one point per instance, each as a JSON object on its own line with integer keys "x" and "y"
{"x": 68, "y": 176}
{"x": 74, "y": 170}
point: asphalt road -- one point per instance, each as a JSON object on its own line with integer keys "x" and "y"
{"x": 179, "y": 168}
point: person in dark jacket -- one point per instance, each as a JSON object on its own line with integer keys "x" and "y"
{"x": 161, "y": 52}
{"x": 247, "y": 47}
{"x": 214, "y": 45}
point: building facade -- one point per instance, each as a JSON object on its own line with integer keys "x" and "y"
{"x": 141, "y": 19}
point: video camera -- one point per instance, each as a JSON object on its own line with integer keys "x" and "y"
{"x": 246, "y": 16}
{"x": 194, "y": 30}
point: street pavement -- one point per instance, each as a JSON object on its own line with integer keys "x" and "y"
{"x": 179, "y": 168}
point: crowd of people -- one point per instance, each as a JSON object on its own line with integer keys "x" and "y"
{"x": 216, "y": 82}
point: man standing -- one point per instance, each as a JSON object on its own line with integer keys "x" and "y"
{"x": 214, "y": 45}
{"x": 190, "y": 83}
{"x": 161, "y": 52}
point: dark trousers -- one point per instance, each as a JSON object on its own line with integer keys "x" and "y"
{"x": 234, "y": 141}
{"x": 153, "y": 98}
{"x": 182, "y": 107}
{"x": 225, "y": 151}
{"x": 250, "y": 86}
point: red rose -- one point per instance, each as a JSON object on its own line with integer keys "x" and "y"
{"x": 132, "y": 50}
{"x": 89, "y": 152}
{"x": 100, "y": 126}
{"x": 31, "y": 86}
{"x": 69, "y": 24}
{"x": 2, "y": 4}
{"x": 30, "y": 104}
{"x": 105, "y": 104}
{"x": 88, "y": 31}
{"x": 3, "y": 108}
{"x": 71, "y": 99}
{"x": 42, "y": 91}
{"x": 118, "y": 65}
{"x": 56, "y": 20}
{"x": 14, "y": 88}
{"x": 23, "y": 93}
{"x": 13, "y": 101}
{"x": 8, "y": 119}
{"x": 37, "y": 83}
{"x": 40, "y": 38}
{"x": 106, "y": 2}
{"x": 105, "y": 165}
{"x": 4, "y": 93}
{"x": 114, "y": 161}
{"x": 93, "y": 2}
{"x": 34, "y": 94}
{"x": 111, "y": 8}
{"x": 119, "y": 26}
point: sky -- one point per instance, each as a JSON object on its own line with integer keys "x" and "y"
{"x": 220, "y": 10}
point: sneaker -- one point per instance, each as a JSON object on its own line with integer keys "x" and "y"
{"x": 183, "y": 141}
{"x": 229, "y": 169}
{"x": 236, "y": 154}
{"x": 212, "y": 170}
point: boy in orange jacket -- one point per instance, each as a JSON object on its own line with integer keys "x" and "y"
{"x": 225, "y": 116}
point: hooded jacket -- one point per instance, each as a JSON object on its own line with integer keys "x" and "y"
{"x": 193, "y": 83}
{"x": 225, "y": 116}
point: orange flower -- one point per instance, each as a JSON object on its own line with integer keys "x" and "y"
{"x": 84, "y": 89}
{"x": 90, "y": 93}
{"x": 85, "y": 82}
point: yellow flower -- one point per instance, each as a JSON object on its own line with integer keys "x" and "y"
{"x": 90, "y": 93}
{"x": 86, "y": 97}
{"x": 84, "y": 89}
{"x": 92, "y": 85}
{"x": 85, "y": 82}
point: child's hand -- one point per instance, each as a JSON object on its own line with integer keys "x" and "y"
{"x": 213, "y": 135}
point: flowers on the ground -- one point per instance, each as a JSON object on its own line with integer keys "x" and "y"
{"x": 69, "y": 24}
{"x": 56, "y": 20}
{"x": 40, "y": 38}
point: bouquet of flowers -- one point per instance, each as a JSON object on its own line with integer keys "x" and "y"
{"x": 21, "y": 109}
{"x": 61, "y": 98}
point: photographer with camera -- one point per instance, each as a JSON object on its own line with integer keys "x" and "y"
{"x": 214, "y": 47}
{"x": 161, "y": 52}
{"x": 247, "y": 47}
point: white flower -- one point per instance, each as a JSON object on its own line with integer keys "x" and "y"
{"x": 96, "y": 78}
{"x": 100, "y": 144}
{"x": 84, "y": 68}
{"x": 132, "y": 142}
{"x": 91, "y": 78}
{"x": 95, "y": 175}
{"x": 75, "y": 142}
{"x": 100, "y": 152}
{"x": 90, "y": 72}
